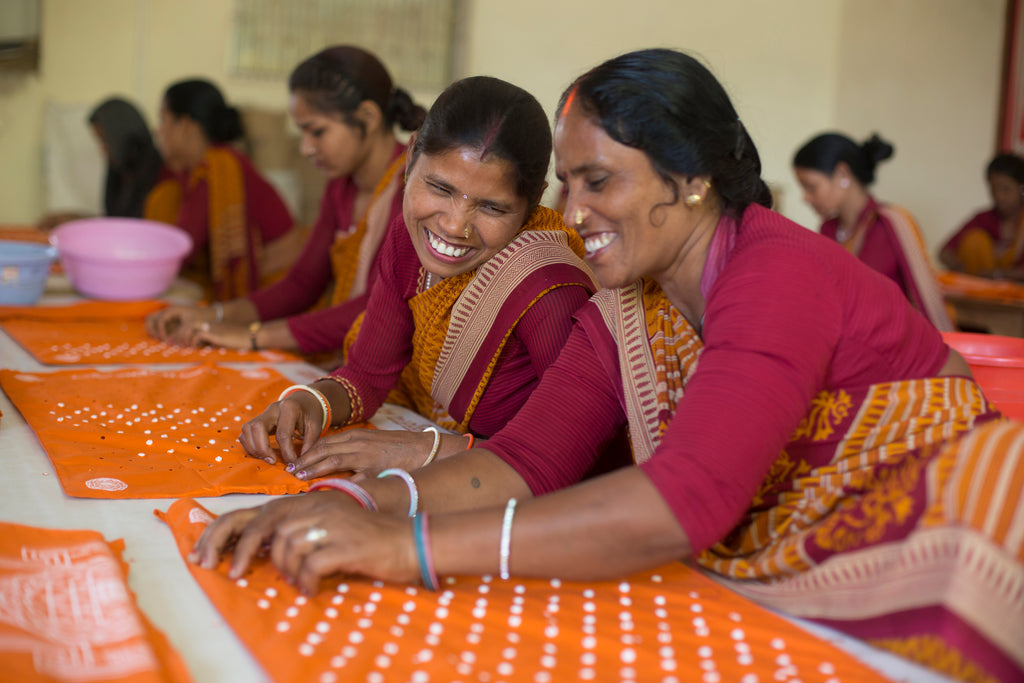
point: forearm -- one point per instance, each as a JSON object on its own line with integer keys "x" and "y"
{"x": 471, "y": 480}
{"x": 275, "y": 335}
{"x": 605, "y": 528}
{"x": 240, "y": 311}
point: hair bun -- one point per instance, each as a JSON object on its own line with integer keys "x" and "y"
{"x": 876, "y": 149}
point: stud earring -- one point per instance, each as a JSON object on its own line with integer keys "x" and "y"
{"x": 844, "y": 183}
{"x": 693, "y": 200}
{"x": 578, "y": 216}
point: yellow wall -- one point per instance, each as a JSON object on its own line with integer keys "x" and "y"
{"x": 793, "y": 68}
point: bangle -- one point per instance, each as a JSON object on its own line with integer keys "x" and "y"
{"x": 422, "y": 539}
{"x": 472, "y": 440}
{"x": 414, "y": 496}
{"x": 361, "y": 495}
{"x": 355, "y": 403}
{"x": 506, "y": 538}
{"x": 433, "y": 450}
{"x": 254, "y": 328}
{"x": 324, "y": 405}
{"x": 218, "y": 312}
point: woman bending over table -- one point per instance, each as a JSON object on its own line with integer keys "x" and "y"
{"x": 241, "y": 230}
{"x": 991, "y": 243}
{"x": 816, "y": 451}
{"x": 475, "y": 290}
{"x": 835, "y": 173}
{"x": 346, "y": 108}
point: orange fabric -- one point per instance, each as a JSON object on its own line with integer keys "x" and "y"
{"x": 134, "y": 433}
{"x": 67, "y": 614}
{"x": 653, "y": 626}
{"x": 25, "y": 233}
{"x": 352, "y": 253}
{"x": 961, "y": 284}
{"x": 105, "y": 332}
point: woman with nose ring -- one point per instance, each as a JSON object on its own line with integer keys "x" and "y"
{"x": 346, "y": 108}
{"x": 475, "y": 291}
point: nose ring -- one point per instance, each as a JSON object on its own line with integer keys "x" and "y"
{"x": 465, "y": 234}
{"x": 579, "y": 216}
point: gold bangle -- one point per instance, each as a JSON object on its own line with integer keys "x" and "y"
{"x": 253, "y": 329}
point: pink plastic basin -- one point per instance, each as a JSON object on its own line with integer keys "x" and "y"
{"x": 998, "y": 366}
{"x": 120, "y": 259}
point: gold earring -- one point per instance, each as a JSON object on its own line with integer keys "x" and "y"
{"x": 694, "y": 200}
{"x": 578, "y": 216}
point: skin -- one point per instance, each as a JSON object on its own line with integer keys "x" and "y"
{"x": 623, "y": 202}
{"x": 454, "y": 202}
{"x": 839, "y": 195}
{"x": 336, "y": 147}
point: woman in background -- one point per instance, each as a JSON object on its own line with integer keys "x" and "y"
{"x": 835, "y": 173}
{"x": 241, "y": 230}
{"x": 991, "y": 243}
{"x": 346, "y": 109}
{"x": 133, "y": 162}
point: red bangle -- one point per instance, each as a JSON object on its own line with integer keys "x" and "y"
{"x": 471, "y": 438}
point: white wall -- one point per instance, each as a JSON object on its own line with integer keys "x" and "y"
{"x": 793, "y": 67}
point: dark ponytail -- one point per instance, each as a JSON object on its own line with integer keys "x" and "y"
{"x": 338, "y": 79}
{"x": 824, "y": 152}
{"x": 669, "y": 106}
{"x": 203, "y": 102}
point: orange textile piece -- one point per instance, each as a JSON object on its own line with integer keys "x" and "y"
{"x": 961, "y": 284}
{"x": 24, "y": 233}
{"x": 107, "y": 332}
{"x": 134, "y": 433}
{"x": 672, "y": 624}
{"x": 66, "y": 613}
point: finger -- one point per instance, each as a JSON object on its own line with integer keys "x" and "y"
{"x": 293, "y": 542}
{"x": 293, "y": 415}
{"x": 332, "y": 464}
{"x": 259, "y": 532}
{"x": 318, "y": 564}
{"x": 218, "y": 536}
{"x": 255, "y": 435}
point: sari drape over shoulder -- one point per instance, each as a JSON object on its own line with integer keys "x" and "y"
{"x": 462, "y": 325}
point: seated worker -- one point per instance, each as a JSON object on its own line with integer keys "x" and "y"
{"x": 800, "y": 431}
{"x": 991, "y": 243}
{"x": 241, "y": 230}
{"x": 346, "y": 109}
{"x": 133, "y": 162}
{"x": 835, "y": 173}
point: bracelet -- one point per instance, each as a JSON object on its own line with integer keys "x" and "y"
{"x": 218, "y": 312}
{"x": 361, "y": 495}
{"x": 254, "y": 328}
{"x": 356, "y": 412}
{"x": 433, "y": 450}
{"x": 414, "y": 495}
{"x": 472, "y": 440}
{"x": 422, "y": 539}
{"x": 506, "y": 538}
{"x": 324, "y": 405}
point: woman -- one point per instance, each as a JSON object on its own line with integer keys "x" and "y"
{"x": 475, "y": 289}
{"x": 133, "y": 163}
{"x": 798, "y": 428}
{"x": 991, "y": 243}
{"x": 346, "y": 109}
{"x": 835, "y": 173}
{"x": 241, "y": 230}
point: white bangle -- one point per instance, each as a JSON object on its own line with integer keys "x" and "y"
{"x": 437, "y": 444}
{"x": 324, "y": 405}
{"x": 414, "y": 496}
{"x": 218, "y": 311}
{"x": 506, "y": 538}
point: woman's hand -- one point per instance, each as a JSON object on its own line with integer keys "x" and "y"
{"x": 365, "y": 451}
{"x": 225, "y": 335}
{"x": 310, "y": 537}
{"x": 297, "y": 415}
{"x": 174, "y": 323}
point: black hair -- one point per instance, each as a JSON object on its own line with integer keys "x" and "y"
{"x": 340, "y": 78}
{"x": 497, "y": 118}
{"x": 824, "y": 152}
{"x": 202, "y": 101}
{"x": 1009, "y": 165}
{"x": 669, "y": 106}
{"x": 134, "y": 162}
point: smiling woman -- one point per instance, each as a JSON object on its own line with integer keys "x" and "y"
{"x": 473, "y": 300}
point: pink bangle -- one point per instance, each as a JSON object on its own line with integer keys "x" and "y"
{"x": 361, "y": 495}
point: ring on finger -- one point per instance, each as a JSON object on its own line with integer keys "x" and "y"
{"x": 205, "y": 327}
{"x": 315, "y": 534}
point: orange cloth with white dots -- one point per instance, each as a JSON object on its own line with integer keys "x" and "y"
{"x": 134, "y": 433}
{"x": 108, "y": 332}
{"x": 67, "y": 614}
{"x": 670, "y": 625}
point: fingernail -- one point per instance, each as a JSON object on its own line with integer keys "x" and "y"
{"x": 301, "y": 474}
{"x": 290, "y": 467}
{"x": 269, "y": 461}
{"x": 193, "y": 556}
